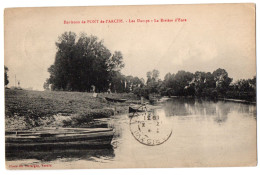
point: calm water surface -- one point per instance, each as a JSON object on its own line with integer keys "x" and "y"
{"x": 204, "y": 133}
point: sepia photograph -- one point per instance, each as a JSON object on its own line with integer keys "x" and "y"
{"x": 138, "y": 86}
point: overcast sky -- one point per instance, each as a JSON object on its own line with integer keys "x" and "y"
{"x": 214, "y": 36}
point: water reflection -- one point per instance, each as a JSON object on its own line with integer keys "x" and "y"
{"x": 219, "y": 110}
{"x": 200, "y": 130}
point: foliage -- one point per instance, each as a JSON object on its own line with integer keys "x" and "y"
{"x": 83, "y": 62}
{"x": 200, "y": 84}
{"x": 152, "y": 76}
{"x": 222, "y": 80}
{"x": 243, "y": 89}
{"x": 6, "y": 76}
{"x": 120, "y": 83}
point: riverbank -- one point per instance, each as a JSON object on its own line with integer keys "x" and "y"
{"x": 28, "y": 109}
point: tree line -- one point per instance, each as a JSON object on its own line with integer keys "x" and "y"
{"x": 199, "y": 84}
{"x": 83, "y": 63}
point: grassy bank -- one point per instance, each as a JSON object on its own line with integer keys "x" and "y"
{"x": 26, "y": 109}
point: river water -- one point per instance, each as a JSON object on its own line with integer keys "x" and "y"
{"x": 195, "y": 133}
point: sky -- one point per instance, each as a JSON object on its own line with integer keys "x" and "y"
{"x": 213, "y": 36}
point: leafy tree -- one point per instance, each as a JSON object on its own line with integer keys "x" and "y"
{"x": 153, "y": 87}
{"x": 82, "y": 63}
{"x": 167, "y": 77}
{"x": 252, "y": 83}
{"x": 201, "y": 81}
{"x": 6, "y": 76}
{"x": 222, "y": 80}
{"x": 200, "y": 84}
{"x": 116, "y": 79}
{"x": 118, "y": 83}
{"x": 46, "y": 85}
{"x": 209, "y": 80}
{"x": 115, "y": 63}
{"x": 243, "y": 89}
{"x": 60, "y": 71}
{"x": 132, "y": 83}
{"x": 149, "y": 77}
{"x": 153, "y": 84}
{"x": 182, "y": 83}
{"x": 155, "y": 75}
{"x": 243, "y": 85}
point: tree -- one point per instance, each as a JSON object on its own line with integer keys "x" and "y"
{"x": 153, "y": 81}
{"x": 142, "y": 80}
{"x": 252, "y": 83}
{"x": 83, "y": 63}
{"x": 155, "y": 75}
{"x": 46, "y": 85}
{"x": 61, "y": 72}
{"x": 115, "y": 63}
{"x": 6, "y": 76}
{"x": 152, "y": 76}
{"x": 149, "y": 77}
{"x": 167, "y": 76}
{"x": 181, "y": 85}
{"x": 243, "y": 89}
{"x": 222, "y": 80}
{"x": 117, "y": 83}
{"x": 203, "y": 83}
{"x": 116, "y": 79}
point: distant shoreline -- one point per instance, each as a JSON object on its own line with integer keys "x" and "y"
{"x": 222, "y": 99}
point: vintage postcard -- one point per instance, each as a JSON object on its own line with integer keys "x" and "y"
{"x": 157, "y": 86}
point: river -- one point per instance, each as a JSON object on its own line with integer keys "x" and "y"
{"x": 195, "y": 133}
